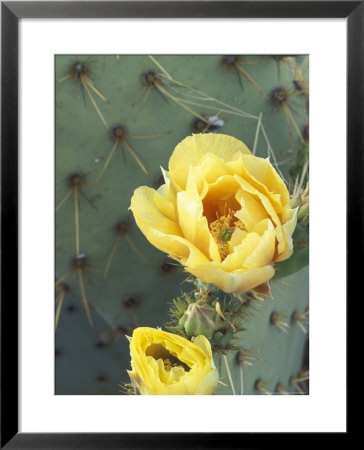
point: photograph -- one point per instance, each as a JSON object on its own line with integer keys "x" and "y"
{"x": 181, "y": 224}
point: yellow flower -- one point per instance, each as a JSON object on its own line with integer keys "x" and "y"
{"x": 167, "y": 364}
{"x": 223, "y": 213}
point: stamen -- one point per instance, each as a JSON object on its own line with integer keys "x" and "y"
{"x": 168, "y": 364}
{"x": 222, "y": 230}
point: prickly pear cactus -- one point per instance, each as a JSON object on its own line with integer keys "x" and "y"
{"x": 118, "y": 119}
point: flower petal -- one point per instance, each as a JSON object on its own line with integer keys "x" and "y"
{"x": 178, "y": 248}
{"x": 169, "y": 189}
{"x": 288, "y": 229}
{"x": 193, "y": 223}
{"x": 209, "y": 169}
{"x": 236, "y": 260}
{"x": 221, "y": 197}
{"x": 190, "y": 151}
{"x": 152, "y": 210}
{"x": 265, "y": 202}
{"x": 203, "y": 343}
{"x": 232, "y": 282}
{"x": 209, "y": 383}
{"x": 264, "y": 252}
{"x": 251, "y": 210}
{"x": 262, "y": 175}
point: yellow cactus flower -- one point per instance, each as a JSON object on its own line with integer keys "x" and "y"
{"x": 222, "y": 212}
{"x": 167, "y": 364}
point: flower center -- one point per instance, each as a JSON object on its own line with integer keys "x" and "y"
{"x": 157, "y": 351}
{"x": 222, "y": 230}
{"x": 168, "y": 364}
{"x": 226, "y": 233}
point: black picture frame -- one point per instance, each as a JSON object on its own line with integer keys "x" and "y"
{"x": 11, "y": 12}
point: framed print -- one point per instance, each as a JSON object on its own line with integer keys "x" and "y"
{"x": 156, "y": 175}
{"x": 208, "y": 300}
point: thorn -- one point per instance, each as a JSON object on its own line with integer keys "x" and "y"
{"x": 135, "y": 156}
{"x": 107, "y": 162}
{"x": 257, "y": 133}
{"x": 84, "y": 298}
{"x": 229, "y": 374}
{"x": 86, "y": 86}
{"x": 276, "y": 319}
{"x": 280, "y": 389}
{"x": 260, "y": 386}
{"x": 61, "y": 203}
{"x": 300, "y": 319}
{"x": 63, "y": 290}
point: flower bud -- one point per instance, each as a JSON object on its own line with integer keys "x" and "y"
{"x": 200, "y": 318}
{"x": 301, "y": 201}
{"x": 167, "y": 364}
{"x": 205, "y": 287}
{"x": 303, "y": 215}
{"x": 295, "y": 201}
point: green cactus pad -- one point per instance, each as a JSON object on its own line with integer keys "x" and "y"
{"x": 127, "y": 282}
